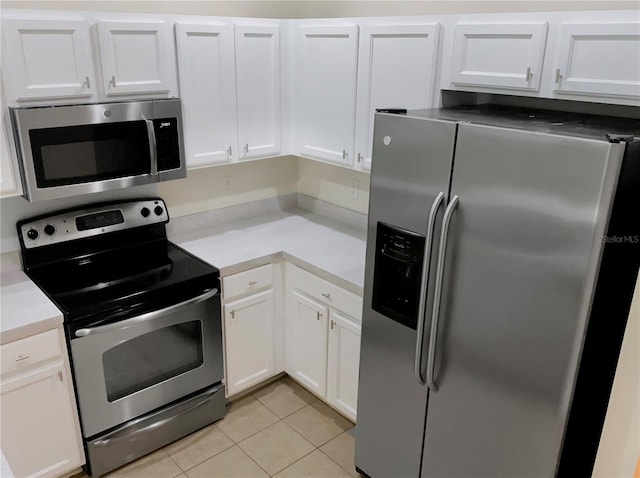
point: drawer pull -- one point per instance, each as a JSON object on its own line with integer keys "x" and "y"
{"x": 326, "y": 296}
{"x": 253, "y": 282}
{"x": 21, "y": 357}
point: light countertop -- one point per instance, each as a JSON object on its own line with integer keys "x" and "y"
{"x": 24, "y": 309}
{"x": 320, "y": 245}
{"x": 323, "y": 246}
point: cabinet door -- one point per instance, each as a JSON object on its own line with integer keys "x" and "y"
{"x": 344, "y": 362}
{"x": 258, "y": 89}
{"x": 49, "y": 59}
{"x": 135, "y": 57}
{"x": 37, "y": 415}
{"x": 501, "y": 55}
{"x": 250, "y": 347}
{"x": 308, "y": 344}
{"x": 207, "y": 87}
{"x": 327, "y": 67}
{"x": 397, "y": 68}
{"x": 600, "y": 59}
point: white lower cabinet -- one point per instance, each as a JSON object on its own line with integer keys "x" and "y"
{"x": 253, "y": 332}
{"x": 323, "y": 340}
{"x": 38, "y": 409}
{"x": 343, "y": 363}
{"x": 249, "y": 329}
{"x": 308, "y": 342}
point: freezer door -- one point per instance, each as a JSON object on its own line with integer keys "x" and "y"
{"x": 411, "y": 168}
{"x": 523, "y": 249}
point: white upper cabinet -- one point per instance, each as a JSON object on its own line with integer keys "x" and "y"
{"x": 599, "y": 59}
{"x": 207, "y": 88}
{"x": 397, "y": 69}
{"x": 48, "y": 59}
{"x": 499, "y": 55}
{"x": 326, "y": 66}
{"x": 257, "y": 51}
{"x": 136, "y": 57}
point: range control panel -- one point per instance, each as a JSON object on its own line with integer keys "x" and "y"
{"x": 92, "y": 221}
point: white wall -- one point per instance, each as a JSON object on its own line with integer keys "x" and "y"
{"x": 620, "y": 441}
{"x": 323, "y": 9}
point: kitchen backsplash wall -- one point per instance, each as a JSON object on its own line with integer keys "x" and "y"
{"x": 214, "y": 188}
{"x": 344, "y": 187}
{"x": 222, "y": 186}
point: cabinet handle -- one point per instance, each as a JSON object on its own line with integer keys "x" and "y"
{"x": 326, "y": 296}
{"x": 87, "y": 82}
{"x": 246, "y": 149}
{"x": 60, "y": 376}
{"x": 319, "y": 316}
{"x": 558, "y": 76}
{"x": 332, "y": 324}
{"x": 359, "y": 158}
{"x": 344, "y": 154}
{"x": 21, "y": 357}
{"x": 253, "y": 282}
{"x": 113, "y": 81}
{"x": 233, "y": 314}
{"x": 528, "y": 75}
{"x": 229, "y": 153}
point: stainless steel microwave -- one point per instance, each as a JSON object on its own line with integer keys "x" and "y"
{"x": 78, "y": 149}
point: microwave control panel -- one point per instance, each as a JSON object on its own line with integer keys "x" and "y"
{"x": 80, "y": 223}
{"x": 167, "y": 143}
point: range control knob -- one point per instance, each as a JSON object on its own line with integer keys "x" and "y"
{"x": 32, "y": 234}
{"x": 145, "y": 212}
{"x": 158, "y": 210}
{"x": 49, "y": 230}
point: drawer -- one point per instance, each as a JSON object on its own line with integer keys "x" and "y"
{"x": 24, "y": 353}
{"x": 326, "y": 292}
{"x": 247, "y": 282}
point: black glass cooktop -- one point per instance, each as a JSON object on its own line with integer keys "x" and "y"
{"x": 124, "y": 281}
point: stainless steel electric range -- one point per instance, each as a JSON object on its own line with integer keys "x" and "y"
{"x": 142, "y": 320}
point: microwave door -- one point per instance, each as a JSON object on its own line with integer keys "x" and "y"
{"x": 66, "y": 151}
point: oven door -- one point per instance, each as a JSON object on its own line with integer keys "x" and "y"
{"x": 80, "y": 149}
{"x": 127, "y": 368}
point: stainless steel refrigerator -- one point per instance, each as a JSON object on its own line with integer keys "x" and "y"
{"x": 503, "y": 248}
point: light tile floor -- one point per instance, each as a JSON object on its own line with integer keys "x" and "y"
{"x": 280, "y": 430}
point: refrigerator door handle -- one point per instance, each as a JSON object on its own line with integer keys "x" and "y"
{"x": 437, "y": 296}
{"x": 426, "y": 265}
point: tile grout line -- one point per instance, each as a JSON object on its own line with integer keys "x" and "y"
{"x": 251, "y": 458}
{"x": 321, "y": 451}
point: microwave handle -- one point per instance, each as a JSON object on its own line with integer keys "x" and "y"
{"x": 153, "y": 147}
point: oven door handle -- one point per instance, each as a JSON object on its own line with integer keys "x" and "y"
{"x": 145, "y": 317}
{"x": 153, "y": 147}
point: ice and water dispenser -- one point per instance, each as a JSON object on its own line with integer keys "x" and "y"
{"x": 397, "y": 273}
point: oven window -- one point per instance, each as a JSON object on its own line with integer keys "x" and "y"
{"x": 79, "y": 154}
{"x": 152, "y": 358}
